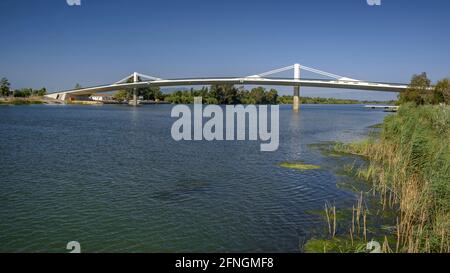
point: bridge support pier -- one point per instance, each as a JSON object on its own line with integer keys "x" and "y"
{"x": 135, "y": 97}
{"x": 296, "y": 102}
{"x": 134, "y": 102}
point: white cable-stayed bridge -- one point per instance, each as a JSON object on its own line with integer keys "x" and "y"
{"x": 138, "y": 80}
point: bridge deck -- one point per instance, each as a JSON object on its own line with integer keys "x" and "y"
{"x": 341, "y": 84}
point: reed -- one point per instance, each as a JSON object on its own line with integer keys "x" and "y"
{"x": 409, "y": 168}
{"x": 337, "y": 242}
{"x": 330, "y": 213}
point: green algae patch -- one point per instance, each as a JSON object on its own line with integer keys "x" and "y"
{"x": 333, "y": 154}
{"x": 335, "y": 245}
{"x": 327, "y": 149}
{"x": 299, "y": 166}
{"x": 340, "y": 214}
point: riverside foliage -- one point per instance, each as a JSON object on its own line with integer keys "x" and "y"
{"x": 230, "y": 95}
{"x": 409, "y": 167}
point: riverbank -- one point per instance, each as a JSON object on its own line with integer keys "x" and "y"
{"x": 28, "y": 101}
{"x": 22, "y": 101}
{"x": 281, "y": 101}
{"x": 44, "y": 100}
{"x": 316, "y": 100}
{"x": 408, "y": 170}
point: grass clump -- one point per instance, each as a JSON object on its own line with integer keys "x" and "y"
{"x": 335, "y": 245}
{"x": 299, "y": 166}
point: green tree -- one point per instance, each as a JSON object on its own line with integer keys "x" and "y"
{"x": 78, "y": 86}
{"x": 23, "y": 93}
{"x": 5, "y": 87}
{"x": 151, "y": 93}
{"x": 231, "y": 95}
{"x": 442, "y": 92}
{"x": 418, "y": 91}
{"x": 218, "y": 92}
{"x": 204, "y": 92}
{"x": 122, "y": 95}
{"x": 259, "y": 95}
{"x": 272, "y": 97}
{"x": 40, "y": 92}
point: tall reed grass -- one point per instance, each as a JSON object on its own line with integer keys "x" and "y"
{"x": 409, "y": 166}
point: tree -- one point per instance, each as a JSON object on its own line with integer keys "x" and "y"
{"x": 78, "y": 86}
{"x": 5, "y": 87}
{"x": 442, "y": 92}
{"x": 204, "y": 92}
{"x": 218, "y": 92}
{"x": 418, "y": 91}
{"x": 28, "y": 92}
{"x": 151, "y": 93}
{"x": 42, "y": 92}
{"x": 23, "y": 93}
{"x": 231, "y": 95}
{"x": 122, "y": 95}
{"x": 272, "y": 97}
{"x": 259, "y": 95}
{"x": 39, "y": 92}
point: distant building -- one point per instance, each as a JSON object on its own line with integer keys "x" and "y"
{"x": 101, "y": 97}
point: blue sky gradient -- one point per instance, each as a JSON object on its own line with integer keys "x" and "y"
{"x": 51, "y": 44}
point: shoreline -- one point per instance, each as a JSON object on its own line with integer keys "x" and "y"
{"x": 43, "y": 100}
{"x": 398, "y": 173}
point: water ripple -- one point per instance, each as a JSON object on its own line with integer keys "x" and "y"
{"x": 112, "y": 178}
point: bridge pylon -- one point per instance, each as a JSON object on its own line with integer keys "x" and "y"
{"x": 135, "y": 80}
{"x": 296, "y": 97}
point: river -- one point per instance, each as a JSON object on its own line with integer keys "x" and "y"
{"x": 112, "y": 178}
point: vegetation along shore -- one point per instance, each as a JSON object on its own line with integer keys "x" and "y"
{"x": 408, "y": 173}
{"x": 216, "y": 94}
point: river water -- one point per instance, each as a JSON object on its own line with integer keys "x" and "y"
{"x": 112, "y": 178}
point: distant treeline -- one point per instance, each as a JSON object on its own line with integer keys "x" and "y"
{"x": 316, "y": 100}
{"x": 6, "y": 91}
{"x": 216, "y": 94}
{"x": 225, "y": 94}
{"x": 228, "y": 94}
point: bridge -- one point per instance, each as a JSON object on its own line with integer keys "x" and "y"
{"x": 137, "y": 80}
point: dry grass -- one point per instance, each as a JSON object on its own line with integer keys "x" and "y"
{"x": 19, "y": 101}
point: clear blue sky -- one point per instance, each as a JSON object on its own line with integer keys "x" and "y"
{"x": 48, "y": 43}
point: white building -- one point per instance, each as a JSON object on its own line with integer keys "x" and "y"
{"x": 101, "y": 97}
